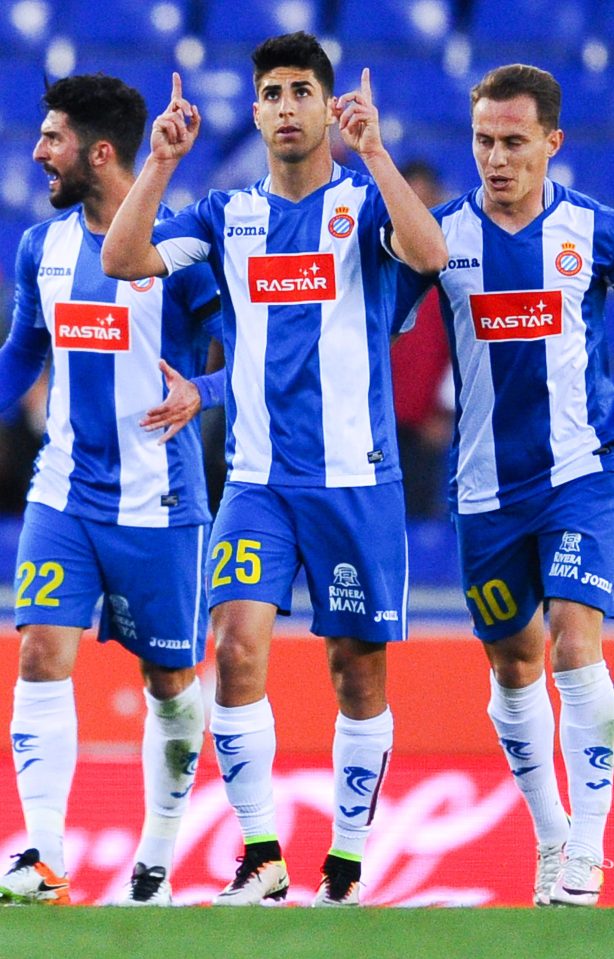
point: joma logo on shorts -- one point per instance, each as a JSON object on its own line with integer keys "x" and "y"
{"x": 170, "y": 643}
{"x": 388, "y": 615}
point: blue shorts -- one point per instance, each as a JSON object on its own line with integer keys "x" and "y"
{"x": 151, "y": 579}
{"x": 351, "y": 541}
{"x": 558, "y": 544}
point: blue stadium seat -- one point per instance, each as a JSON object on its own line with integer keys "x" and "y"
{"x": 526, "y": 29}
{"x": 140, "y": 24}
{"x": 22, "y": 83}
{"x": 254, "y": 21}
{"x": 25, "y": 28}
{"x": 421, "y": 24}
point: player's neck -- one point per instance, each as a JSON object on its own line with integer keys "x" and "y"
{"x": 514, "y": 217}
{"x": 295, "y": 181}
{"x": 104, "y": 201}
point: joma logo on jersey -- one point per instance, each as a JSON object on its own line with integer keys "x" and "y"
{"x": 245, "y": 231}
{"x": 55, "y": 271}
{"x": 95, "y": 327}
{"x": 292, "y": 278}
{"x": 525, "y": 315}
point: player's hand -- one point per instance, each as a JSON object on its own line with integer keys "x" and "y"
{"x": 180, "y": 406}
{"x": 358, "y": 118}
{"x": 174, "y": 131}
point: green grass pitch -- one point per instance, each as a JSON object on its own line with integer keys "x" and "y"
{"x": 298, "y": 933}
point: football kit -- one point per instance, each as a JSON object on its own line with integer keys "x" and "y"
{"x": 534, "y": 401}
{"x": 308, "y": 301}
{"x": 99, "y": 477}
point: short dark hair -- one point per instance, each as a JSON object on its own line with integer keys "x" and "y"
{"x": 516, "y": 79}
{"x": 294, "y": 50}
{"x": 101, "y": 107}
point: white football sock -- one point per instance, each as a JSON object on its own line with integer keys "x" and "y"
{"x": 524, "y": 722}
{"x": 361, "y": 751}
{"x": 587, "y": 733}
{"x": 172, "y": 741}
{"x": 44, "y": 737}
{"x": 244, "y": 738}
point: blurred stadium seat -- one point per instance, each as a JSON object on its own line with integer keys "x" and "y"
{"x": 416, "y": 26}
{"x": 516, "y": 28}
{"x": 252, "y": 22}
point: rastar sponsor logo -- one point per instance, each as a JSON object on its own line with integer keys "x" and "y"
{"x": 292, "y": 278}
{"x": 95, "y": 327}
{"x": 524, "y": 315}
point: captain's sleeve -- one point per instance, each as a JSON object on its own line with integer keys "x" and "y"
{"x": 185, "y": 238}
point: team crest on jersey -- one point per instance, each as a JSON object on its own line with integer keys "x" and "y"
{"x": 292, "y": 278}
{"x": 341, "y": 224}
{"x": 144, "y": 285}
{"x": 517, "y": 315}
{"x": 569, "y": 261}
{"x": 94, "y": 327}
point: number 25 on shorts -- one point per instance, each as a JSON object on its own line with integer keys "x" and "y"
{"x": 493, "y": 601}
{"x": 245, "y": 565}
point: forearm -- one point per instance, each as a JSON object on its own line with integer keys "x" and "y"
{"x": 417, "y": 237}
{"x": 210, "y": 388}
{"x": 127, "y": 251}
{"x": 20, "y": 367}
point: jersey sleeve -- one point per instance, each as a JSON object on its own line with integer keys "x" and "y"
{"x": 411, "y": 289}
{"x": 185, "y": 238}
{"x": 22, "y": 356}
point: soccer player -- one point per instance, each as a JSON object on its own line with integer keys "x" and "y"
{"x": 111, "y": 511}
{"x": 305, "y": 263}
{"x": 532, "y": 486}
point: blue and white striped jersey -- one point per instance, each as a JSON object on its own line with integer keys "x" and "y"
{"x": 307, "y": 302}
{"x": 525, "y": 318}
{"x": 107, "y": 338}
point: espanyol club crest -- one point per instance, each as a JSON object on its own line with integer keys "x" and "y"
{"x": 569, "y": 261}
{"x": 144, "y": 285}
{"x": 341, "y": 224}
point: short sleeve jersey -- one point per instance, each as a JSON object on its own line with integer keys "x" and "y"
{"x": 307, "y": 300}
{"x": 107, "y": 338}
{"x": 525, "y": 319}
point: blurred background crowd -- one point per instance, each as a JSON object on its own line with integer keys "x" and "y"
{"x": 424, "y": 57}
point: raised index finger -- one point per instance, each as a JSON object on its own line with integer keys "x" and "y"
{"x": 177, "y": 91}
{"x": 365, "y": 84}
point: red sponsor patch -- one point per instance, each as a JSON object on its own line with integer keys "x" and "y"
{"x": 292, "y": 278}
{"x": 95, "y": 327}
{"x": 524, "y": 315}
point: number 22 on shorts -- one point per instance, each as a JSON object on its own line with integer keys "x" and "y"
{"x": 52, "y": 573}
{"x": 246, "y": 566}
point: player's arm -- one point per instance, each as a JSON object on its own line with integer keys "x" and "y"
{"x": 186, "y": 398}
{"x": 127, "y": 252}
{"x": 21, "y": 363}
{"x": 417, "y": 238}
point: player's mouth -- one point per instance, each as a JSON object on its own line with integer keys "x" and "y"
{"x": 288, "y": 130}
{"x": 499, "y": 182}
{"x": 53, "y": 177}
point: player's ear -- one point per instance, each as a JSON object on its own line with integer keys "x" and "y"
{"x": 331, "y": 115}
{"x": 555, "y": 142}
{"x": 256, "y": 113}
{"x": 101, "y": 152}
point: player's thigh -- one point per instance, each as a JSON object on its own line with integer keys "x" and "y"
{"x": 500, "y": 571}
{"x": 57, "y": 577}
{"x": 252, "y": 551}
{"x": 154, "y": 601}
{"x": 576, "y": 542}
{"x": 354, "y": 547}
